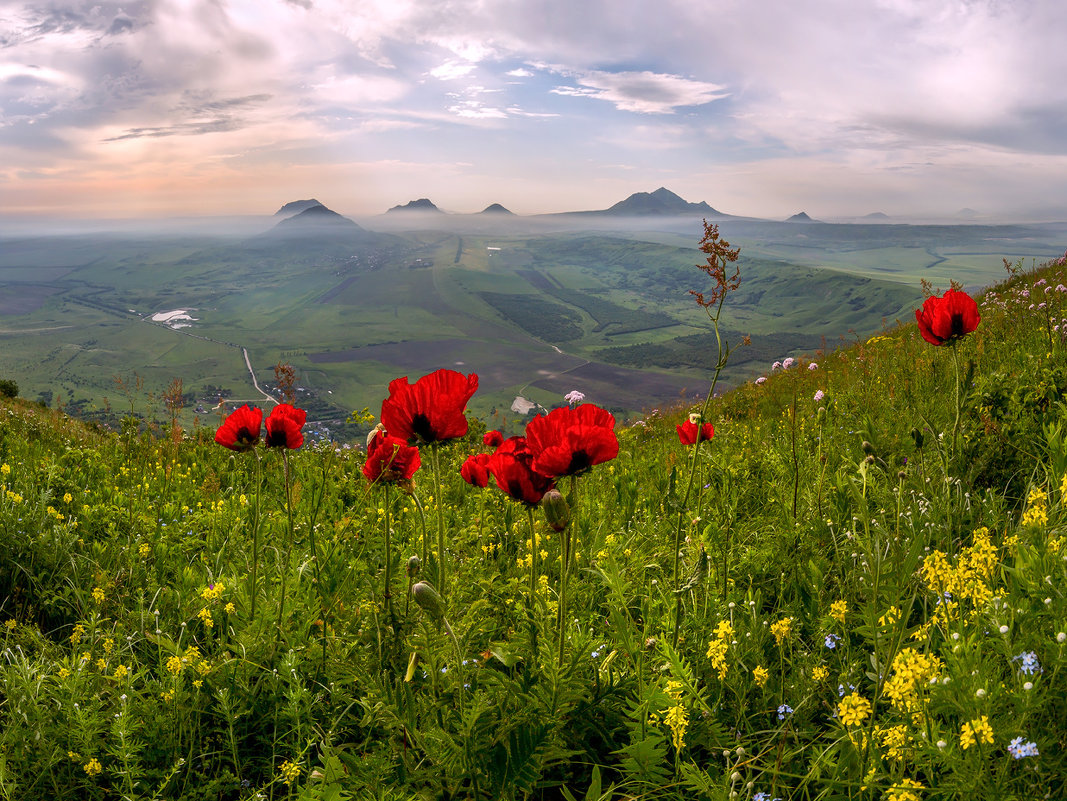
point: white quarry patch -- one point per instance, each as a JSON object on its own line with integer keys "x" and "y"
{"x": 178, "y": 318}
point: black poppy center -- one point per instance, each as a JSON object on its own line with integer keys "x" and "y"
{"x": 422, "y": 428}
{"x": 246, "y": 437}
{"x": 580, "y": 462}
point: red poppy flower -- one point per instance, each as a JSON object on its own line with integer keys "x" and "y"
{"x": 283, "y": 426}
{"x": 948, "y": 318}
{"x": 687, "y": 432}
{"x": 568, "y": 441}
{"x": 512, "y": 469}
{"x": 475, "y": 470}
{"x": 431, "y": 409}
{"x": 492, "y": 439}
{"x": 240, "y": 431}
{"x": 390, "y": 459}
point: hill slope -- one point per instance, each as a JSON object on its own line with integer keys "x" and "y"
{"x": 854, "y": 588}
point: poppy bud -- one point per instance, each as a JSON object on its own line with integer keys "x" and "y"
{"x": 868, "y": 448}
{"x": 414, "y": 566}
{"x": 429, "y": 599}
{"x": 869, "y": 459}
{"x": 557, "y": 511}
{"x": 901, "y": 475}
{"x": 695, "y": 418}
{"x": 917, "y": 436}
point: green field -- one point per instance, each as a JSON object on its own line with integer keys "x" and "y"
{"x": 608, "y": 313}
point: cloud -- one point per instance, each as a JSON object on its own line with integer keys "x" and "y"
{"x": 451, "y": 70}
{"x": 643, "y": 92}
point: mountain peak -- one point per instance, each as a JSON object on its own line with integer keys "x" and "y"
{"x": 295, "y": 207}
{"x": 661, "y": 202}
{"x": 316, "y": 219}
{"x": 496, "y": 208}
{"x": 422, "y": 204}
{"x": 801, "y": 217}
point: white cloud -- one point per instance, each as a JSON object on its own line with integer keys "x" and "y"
{"x": 451, "y": 70}
{"x": 643, "y": 92}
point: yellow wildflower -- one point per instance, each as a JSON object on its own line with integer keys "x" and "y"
{"x": 67, "y": 497}
{"x": 63, "y": 673}
{"x": 290, "y": 772}
{"x": 891, "y": 616}
{"x": 98, "y": 594}
{"x": 977, "y": 731}
{"x": 717, "y": 654}
{"x": 11, "y": 624}
{"x": 838, "y": 610}
{"x": 677, "y": 720}
{"x": 724, "y": 631}
{"x": 230, "y": 608}
{"x": 145, "y": 550}
{"x": 760, "y": 675}
{"x": 853, "y": 709}
{"x": 205, "y": 617}
{"x": 120, "y": 672}
{"x": 896, "y": 741}
{"x": 93, "y": 767}
{"x": 904, "y": 790}
{"x": 175, "y": 665}
{"x": 819, "y": 673}
{"x": 781, "y": 629}
{"x": 109, "y": 645}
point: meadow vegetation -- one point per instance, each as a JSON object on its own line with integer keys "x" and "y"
{"x": 853, "y": 590}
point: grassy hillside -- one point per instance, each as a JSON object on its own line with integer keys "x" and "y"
{"x": 867, "y": 602}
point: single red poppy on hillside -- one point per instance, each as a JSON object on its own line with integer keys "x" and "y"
{"x": 390, "y": 459}
{"x": 475, "y": 470}
{"x": 431, "y": 409}
{"x": 493, "y": 439}
{"x": 568, "y": 441}
{"x": 240, "y": 431}
{"x": 948, "y": 318}
{"x": 512, "y": 470}
{"x": 283, "y": 426}
{"x": 687, "y": 432}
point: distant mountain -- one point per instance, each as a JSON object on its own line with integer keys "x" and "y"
{"x": 295, "y": 207}
{"x": 422, "y": 204}
{"x": 876, "y": 215}
{"x": 967, "y": 214}
{"x": 801, "y": 217}
{"x": 496, "y": 208}
{"x": 660, "y": 202}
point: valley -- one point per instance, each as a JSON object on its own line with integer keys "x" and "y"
{"x": 102, "y": 323}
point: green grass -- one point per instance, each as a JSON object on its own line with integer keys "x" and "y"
{"x": 817, "y": 654}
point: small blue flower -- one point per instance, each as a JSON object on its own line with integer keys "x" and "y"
{"x": 1029, "y": 665}
{"x": 831, "y": 640}
{"x": 1019, "y": 749}
{"x": 784, "y": 711}
{"x": 761, "y": 796}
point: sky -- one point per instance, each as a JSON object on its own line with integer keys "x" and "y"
{"x": 150, "y": 108}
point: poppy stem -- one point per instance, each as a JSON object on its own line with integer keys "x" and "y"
{"x": 289, "y": 545}
{"x": 388, "y": 595}
{"x": 441, "y": 569}
{"x": 422, "y": 523}
{"x": 255, "y": 535}
{"x": 723, "y": 356}
{"x": 956, "y": 424}
{"x": 532, "y": 601}
{"x": 564, "y": 578}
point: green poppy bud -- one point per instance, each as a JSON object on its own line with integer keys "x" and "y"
{"x": 557, "y": 510}
{"x": 414, "y": 566}
{"x": 429, "y": 599}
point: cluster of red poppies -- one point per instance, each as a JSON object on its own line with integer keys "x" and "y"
{"x": 565, "y": 442}
{"x": 241, "y": 430}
